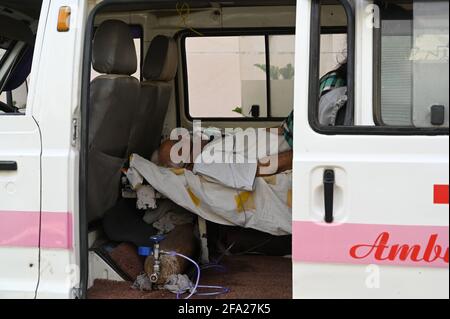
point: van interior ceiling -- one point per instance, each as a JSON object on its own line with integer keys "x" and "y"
{"x": 151, "y": 72}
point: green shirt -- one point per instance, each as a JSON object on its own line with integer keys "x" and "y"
{"x": 328, "y": 82}
{"x": 288, "y": 129}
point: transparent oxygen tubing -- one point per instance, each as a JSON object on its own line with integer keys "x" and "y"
{"x": 221, "y": 290}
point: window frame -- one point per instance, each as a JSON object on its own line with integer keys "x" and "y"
{"x": 227, "y": 32}
{"x": 314, "y": 80}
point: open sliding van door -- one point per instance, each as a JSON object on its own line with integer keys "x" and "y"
{"x": 20, "y": 155}
{"x": 370, "y": 206}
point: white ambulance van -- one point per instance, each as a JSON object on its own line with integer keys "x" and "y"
{"x": 370, "y": 215}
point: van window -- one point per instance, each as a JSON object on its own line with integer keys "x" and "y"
{"x": 282, "y": 58}
{"x": 413, "y": 74}
{"x": 331, "y": 86}
{"x": 333, "y": 51}
{"x": 239, "y": 76}
{"x": 410, "y": 69}
{"x": 18, "y": 97}
{"x": 5, "y": 45}
{"x": 15, "y": 56}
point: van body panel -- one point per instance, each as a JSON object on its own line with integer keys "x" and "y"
{"x": 390, "y": 234}
{"x": 340, "y": 281}
{"x": 20, "y": 142}
{"x": 387, "y": 226}
{"x": 57, "y": 114}
{"x": 43, "y": 142}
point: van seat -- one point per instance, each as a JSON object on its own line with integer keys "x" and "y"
{"x": 159, "y": 71}
{"x": 113, "y": 104}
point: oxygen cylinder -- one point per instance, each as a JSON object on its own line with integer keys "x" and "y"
{"x": 181, "y": 240}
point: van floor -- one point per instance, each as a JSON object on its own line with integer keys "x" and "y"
{"x": 247, "y": 277}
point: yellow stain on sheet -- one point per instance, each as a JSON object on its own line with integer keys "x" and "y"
{"x": 271, "y": 180}
{"x": 177, "y": 171}
{"x": 289, "y": 198}
{"x": 194, "y": 197}
{"x": 245, "y": 201}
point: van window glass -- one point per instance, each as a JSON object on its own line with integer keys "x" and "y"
{"x": 18, "y": 97}
{"x": 333, "y": 51}
{"x": 332, "y": 94}
{"x": 414, "y": 55}
{"x": 331, "y": 88}
{"x": 282, "y": 60}
{"x": 226, "y": 74}
{"x": 2, "y": 54}
{"x": 240, "y": 76}
{"x": 15, "y": 88}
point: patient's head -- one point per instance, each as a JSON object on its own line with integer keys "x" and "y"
{"x": 176, "y": 148}
{"x": 164, "y": 154}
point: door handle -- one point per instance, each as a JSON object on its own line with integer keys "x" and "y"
{"x": 329, "y": 180}
{"x": 8, "y": 166}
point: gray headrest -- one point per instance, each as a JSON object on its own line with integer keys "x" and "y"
{"x": 113, "y": 49}
{"x": 161, "y": 62}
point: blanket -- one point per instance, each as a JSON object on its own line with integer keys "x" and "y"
{"x": 267, "y": 208}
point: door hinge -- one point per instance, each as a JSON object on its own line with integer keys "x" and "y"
{"x": 75, "y": 132}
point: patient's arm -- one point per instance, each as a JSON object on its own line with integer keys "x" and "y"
{"x": 266, "y": 166}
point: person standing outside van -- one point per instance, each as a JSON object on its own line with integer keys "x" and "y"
{"x": 332, "y": 80}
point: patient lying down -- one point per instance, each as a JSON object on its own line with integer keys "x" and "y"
{"x": 233, "y": 160}
{"x": 264, "y": 205}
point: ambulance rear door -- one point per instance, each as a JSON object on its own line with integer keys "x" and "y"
{"x": 370, "y": 202}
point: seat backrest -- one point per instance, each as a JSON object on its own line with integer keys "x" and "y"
{"x": 114, "y": 94}
{"x": 114, "y": 99}
{"x": 159, "y": 71}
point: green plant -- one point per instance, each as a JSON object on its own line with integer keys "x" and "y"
{"x": 287, "y": 72}
{"x": 238, "y": 110}
{"x": 274, "y": 71}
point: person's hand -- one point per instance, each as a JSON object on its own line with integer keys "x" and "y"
{"x": 275, "y": 164}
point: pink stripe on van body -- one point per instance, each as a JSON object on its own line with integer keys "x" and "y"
{"x": 57, "y": 230}
{"x": 21, "y": 229}
{"x": 399, "y": 245}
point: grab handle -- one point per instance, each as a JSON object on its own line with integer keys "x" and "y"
{"x": 329, "y": 181}
{"x": 8, "y": 166}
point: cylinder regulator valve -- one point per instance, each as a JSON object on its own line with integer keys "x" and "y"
{"x": 156, "y": 253}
